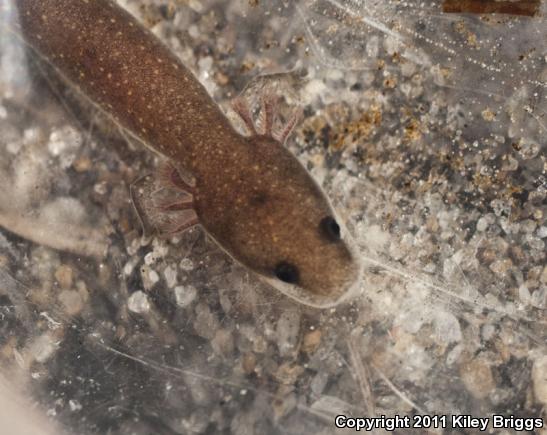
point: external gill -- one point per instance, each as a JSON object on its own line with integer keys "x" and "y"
{"x": 164, "y": 203}
{"x": 267, "y": 117}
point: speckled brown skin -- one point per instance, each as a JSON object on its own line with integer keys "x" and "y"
{"x": 251, "y": 194}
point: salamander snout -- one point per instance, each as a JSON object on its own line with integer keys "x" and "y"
{"x": 289, "y": 273}
{"x": 318, "y": 265}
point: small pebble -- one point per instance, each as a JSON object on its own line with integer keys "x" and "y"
{"x": 288, "y": 373}
{"x": 82, "y": 164}
{"x": 283, "y": 406}
{"x": 311, "y": 341}
{"x": 64, "y": 139}
{"x": 63, "y": 275}
{"x": 72, "y": 302}
{"x": 75, "y": 405}
{"x": 477, "y": 377}
{"x": 248, "y": 362}
{"x": 501, "y": 267}
{"x": 149, "y": 277}
{"x": 319, "y": 382}
{"x": 170, "y": 275}
{"x": 528, "y": 149}
{"x": 538, "y": 298}
{"x": 488, "y": 331}
{"x": 223, "y": 343}
{"x": 185, "y": 295}
{"x": 205, "y": 323}
{"x": 42, "y": 348}
{"x": 138, "y": 302}
{"x": 287, "y": 330}
{"x": 186, "y": 264}
{"x": 539, "y": 379}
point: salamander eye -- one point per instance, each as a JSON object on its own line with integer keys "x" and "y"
{"x": 287, "y": 272}
{"x": 330, "y": 229}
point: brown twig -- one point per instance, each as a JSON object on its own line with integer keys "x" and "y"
{"x": 520, "y": 7}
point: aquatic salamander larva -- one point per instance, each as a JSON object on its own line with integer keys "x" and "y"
{"x": 250, "y": 194}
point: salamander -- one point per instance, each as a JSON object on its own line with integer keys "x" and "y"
{"x": 247, "y": 191}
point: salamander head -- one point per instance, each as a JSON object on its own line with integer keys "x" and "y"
{"x": 282, "y": 226}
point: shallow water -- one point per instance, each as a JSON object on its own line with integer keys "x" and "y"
{"x": 428, "y": 132}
